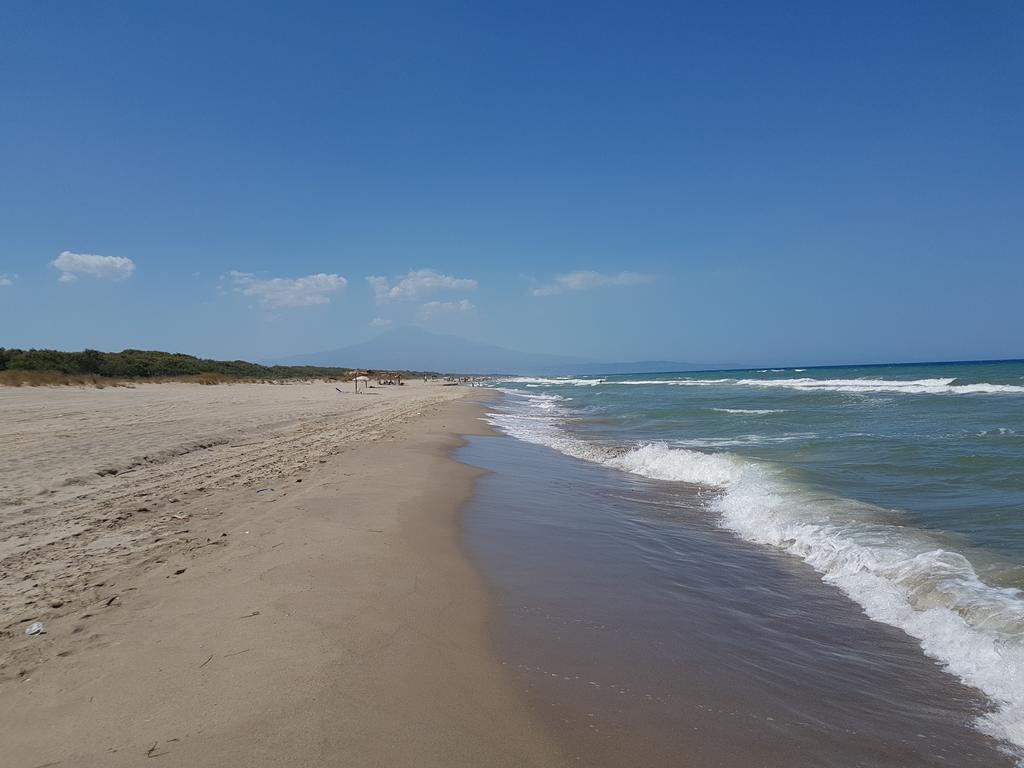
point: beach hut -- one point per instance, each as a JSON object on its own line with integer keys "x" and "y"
{"x": 364, "y": 379}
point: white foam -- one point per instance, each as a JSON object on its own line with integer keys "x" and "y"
{"x": 900, "y": 576}
{"x": 943, "y": 386}
{"x": 910, "y": 387}
{"x": 541, "y": 400}
{"x": 534, "y": 381}
{"x": 742, "y": 440}
{"x": 751, "y": 411}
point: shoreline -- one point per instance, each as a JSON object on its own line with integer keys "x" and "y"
{"x": 341, "y": 622}
{"x": 386, "y": 580}
{"x": 892, "y": 491}
{"x": 632, "y": 625}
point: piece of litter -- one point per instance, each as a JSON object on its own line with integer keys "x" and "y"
{"x": 35, "y": 628}
{"x": 263, "y": 490}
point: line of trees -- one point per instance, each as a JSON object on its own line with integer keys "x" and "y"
{"x": 139, "y": 363}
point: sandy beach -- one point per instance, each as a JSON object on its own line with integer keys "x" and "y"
{"x": 246, "y": 574}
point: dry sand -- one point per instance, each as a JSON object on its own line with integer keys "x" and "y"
{"x": 190, "y": 615}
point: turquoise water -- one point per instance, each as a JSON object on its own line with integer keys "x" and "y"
{"x": 903, "y": 485}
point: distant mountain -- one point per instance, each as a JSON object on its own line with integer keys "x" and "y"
{"x": 413, "y": 348}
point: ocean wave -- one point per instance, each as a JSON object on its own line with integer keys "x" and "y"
{"x": 911, "y": 387}
{"x": 542, "y": 400}
{"x": 944, "y": 386}
{"x": 900, "y": 576}
{"x": 662, "y": 382}
{"x": 742, "y": 440}
{"x": 947, "y": 386}
{"x": 537, "y": 381}
{"x": 751, "y": 411}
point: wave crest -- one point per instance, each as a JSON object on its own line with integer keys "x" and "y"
{"x": 943, "y": 386}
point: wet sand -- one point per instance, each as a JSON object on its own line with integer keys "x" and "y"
{"x": 271, "y": 576}
{"x": 644, "y": 635}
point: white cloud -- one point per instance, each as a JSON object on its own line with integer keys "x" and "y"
{"x": 288, "y": 291}
{"x": 71, "y": 265}
{"x": 436, "y": 308}
{"x": 5, "y": 280}
{"x": 585, "y": 280}
{"x": 417, "y": 283}
{"x": 379, "y": 322}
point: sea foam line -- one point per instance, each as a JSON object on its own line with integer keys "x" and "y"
{"x": 751, "y": 411}
{"x": 942, "y": 386}
{"x": 911, "y": 387}
{"x": 900, "y": 577}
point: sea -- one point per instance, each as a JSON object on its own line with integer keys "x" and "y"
{"x": 884, "y": 495}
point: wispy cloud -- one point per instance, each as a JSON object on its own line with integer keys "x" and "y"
{"x": 416, "y": 284}
{"x": 5, "y": 280}
{"x": 586, "y": 280}
{"x": 280, "y": 292}
{"x": 72, "y": 265}
{"x": 434, "y": 309}
{"x": 380, "y": 322}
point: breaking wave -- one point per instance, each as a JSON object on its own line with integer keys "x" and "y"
{"x": 750, "y": 411}
{"x": 901, "y": 576}
{"x": 944, "y": 386}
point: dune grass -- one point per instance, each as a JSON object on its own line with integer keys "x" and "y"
{"x": 91, "y": 368}
{"x": 19, "y": 378}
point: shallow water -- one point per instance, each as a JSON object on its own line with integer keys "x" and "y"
{"x": 903, "y": 486}
{"x": 644, "y": 634}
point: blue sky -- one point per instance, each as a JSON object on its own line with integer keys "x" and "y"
{"x": 721, "y": 182}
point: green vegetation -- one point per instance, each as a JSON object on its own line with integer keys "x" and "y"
{"x": 17, "y": 365}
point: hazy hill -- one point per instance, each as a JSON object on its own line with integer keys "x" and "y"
{"x": 413, "y": 348}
